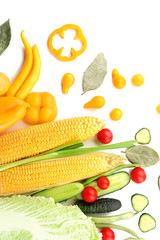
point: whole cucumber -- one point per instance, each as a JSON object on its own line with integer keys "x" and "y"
{"x": 103, "y": 205}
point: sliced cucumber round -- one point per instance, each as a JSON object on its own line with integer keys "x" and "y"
{"x": 146, "y": 222}
{"x": 143, "y": 136}
{"x": 139, "y": 202}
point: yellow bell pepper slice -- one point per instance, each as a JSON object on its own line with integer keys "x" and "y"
{"x": 73, "y": 53}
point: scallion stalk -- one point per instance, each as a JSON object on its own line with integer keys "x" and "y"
{"x": 57, "y": 153}
{"x": 118, "y": 227}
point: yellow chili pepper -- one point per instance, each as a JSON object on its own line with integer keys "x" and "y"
{"x": 67, "y": 81}
{"x": 73, "y": 53}
{"x": 42, "y": 109}
{"x": 31, "y": 80}
{"x": 4, "y": 84}
{"x": 25, "y": 70}
{"x": 118, "y": 81}
{"x": 95, "y": 102}
{"x": 12, "y": 110}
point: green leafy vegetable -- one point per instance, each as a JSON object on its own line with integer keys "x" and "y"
{"x": 5, "y": 36}
{"x": 95, "y": 73}
{"x": 28, "y": 218}
{"x": 142, "y": 155}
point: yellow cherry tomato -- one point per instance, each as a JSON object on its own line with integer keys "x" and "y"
{"x": 137, "y": 80}
{"x": 95, "y": 102}
{"x": 158, "y": 108}
{"x": 67, "y": 81}
{"x": 4, "y": 83}
{"x": 116, "y": 114}
{"x": 117, "y": 80}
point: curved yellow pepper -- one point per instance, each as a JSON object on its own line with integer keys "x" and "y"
{"x": 42, "y": 109}
{"x": 12, "y": 110}
{"x": 25, "y": 70}
{"x": 31, "y": 80}
{"x": 4, "y": 84}
{"x": 74, "y": 53}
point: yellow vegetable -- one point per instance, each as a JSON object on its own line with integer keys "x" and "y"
{"x": 40, "y": 175}
{"x": 25, "y": 70}
{"x": 43, "y": 108}
{"x": 95, "y": 102}
{"x": 117, "y": 80}
{"x": 12, "y": 110}
{"x": 116, "y": 114}
{"x": 4, "y": 83}
{"x": 35, "y": 139}
{"x": 67, "y": 82}
{"x": 31, "y": 80}
{"x": 138, "y": 80}
{"x": 158, "y": 108}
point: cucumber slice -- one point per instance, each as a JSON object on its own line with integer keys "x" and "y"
{"x": 143, "y": 136}
{"x": 117, "y": 181}
{"x": 139, "y": 202}
{"x": 146, "y": 222}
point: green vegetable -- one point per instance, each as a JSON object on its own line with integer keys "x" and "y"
{"x": 57, "y": 153}
{"x": 62, "y": 193}
{"x": 139, "y": 202}
{"x": 95, "y": 73}
{"x": 28, "y": 218}
{"x": 120, "y": 167}
{"x": 143, "y": 136}
{"x": 142, "y": 155}
{"x": 159, "y": 182}
{"x": 5, "y": 36}
{"x": 118, "y": 227}
{"x": 117, "y": 181}
{"x": 103, "y": 205}
{"x": 146, "y": 222}
{"x": 115, "y": 218}
{"x": 134, "y": 239}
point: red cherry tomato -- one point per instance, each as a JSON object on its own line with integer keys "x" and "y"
{"x": 89, "y": 194}
{"x": 105, "y": 136}
{"x": 107, "y": 234}
{"x": 138, "y": 175}
{"x": 103, "y": 182}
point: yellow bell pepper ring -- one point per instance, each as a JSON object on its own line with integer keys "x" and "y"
{"x": 42, "y": 108}
{"x": 12, "y": 109}
{"x": 73, "y": 53}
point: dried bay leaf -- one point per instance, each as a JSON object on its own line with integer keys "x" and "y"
{"x": 142, "y": 155}
{"x": 5, "y": 36}
{"x": 95, "y": 73}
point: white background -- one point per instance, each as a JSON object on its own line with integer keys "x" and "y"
{"x": 127, "y": 32}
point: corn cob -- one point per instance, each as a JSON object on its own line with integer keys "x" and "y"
{"x": 45, "y": 174}
{"x": 33, "y": 140}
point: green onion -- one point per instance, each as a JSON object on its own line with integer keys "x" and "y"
{"x": 57, "y": 153}
{"x": 112, "y": 219}
{"x": 114, "y": 226}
